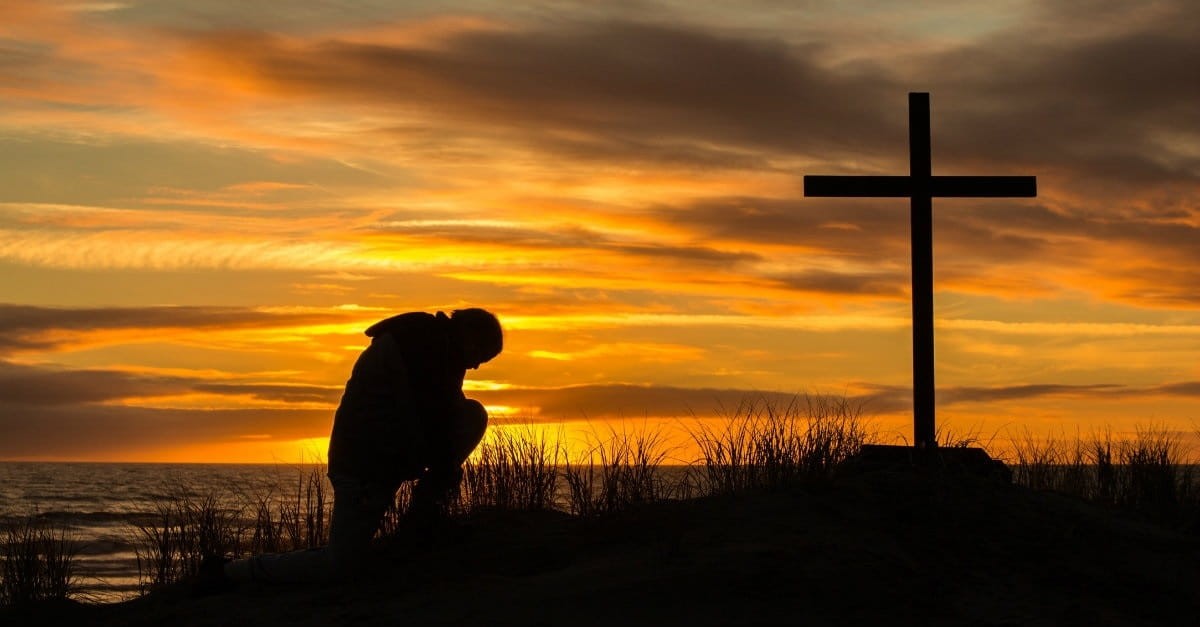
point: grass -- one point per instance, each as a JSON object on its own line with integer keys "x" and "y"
{"x": 617, "y": 473}
{"x": 295, "y": 520}
{"x": 765, "y": 445}
{"x": 396, "y": 512}
{"x": 1149, "y": 473}
{"x": 188, "y": 527}
{"x": 36, "y": 562}
{"x": 184, "y": 530}
{"x": 759, "y": 445}
{"x": 514, "y": 470}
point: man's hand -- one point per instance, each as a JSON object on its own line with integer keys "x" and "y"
{"x": 434, "y": 491}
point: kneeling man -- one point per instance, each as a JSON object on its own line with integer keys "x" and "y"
{"x": 402, "y": 417}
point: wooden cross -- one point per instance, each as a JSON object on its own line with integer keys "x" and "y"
{"x": 921, "y": 187}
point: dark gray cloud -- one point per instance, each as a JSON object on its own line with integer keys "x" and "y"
{"x": 1096, "y": 108}
{"x": 35, "y": 327}
{"x": 54, "y": 413}
{"x": 652, "y": 149}
{"x": 972, "y": 239}
{"x": 874, "y": 235}
{"x": 1094, "y": 90}
{"x": 632, "y": 401}
{"x": 876, "y": 284}
{"x": 568, "y": 239}
{"x": 636, "y": 401}
{"x": 274, "y": 392}
{"x": 1153, "y": 252}
{"x": 970, "y": 394}
{"x": 1187, "y": 388}
{"x": 1107, "y": 390}
{"x": 878, "y": 229}
{"x": 603, "y": 88}
{"x": 74, "y": 424}
{"x": 866, "y": 228}
{"x": 1050, "y": 94}
{"x": 895, "y": 398}
{"x": 119, "y": 172}
{"x": 64, "y": 431}
{"x": 31, "y": 385}
{"x": 26, "y": 385}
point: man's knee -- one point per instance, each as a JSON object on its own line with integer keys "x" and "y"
{"x": 466, "y": 430}
{"x": 473, "y": 420}
{"x": 470, "y": 423}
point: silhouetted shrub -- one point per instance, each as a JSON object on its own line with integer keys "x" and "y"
{"x": 296, "y": 520}
{"x": 622, "y": 470}
{"x": 1148, "y": 473}
{"x": 184, "y": 530}
{"x": 511, "y": 470}
{"x": 36, "y": 562}
{"x": 764, "y": 445}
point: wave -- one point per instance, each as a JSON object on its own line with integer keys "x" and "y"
{"x": 73, "y": 518}
{"x": 106, "y": 547}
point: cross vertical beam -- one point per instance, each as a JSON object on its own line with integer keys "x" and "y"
{"x": 920, "y": 187}
{"x": 920, "y": 171}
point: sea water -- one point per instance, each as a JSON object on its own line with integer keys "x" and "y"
{"x": 101, "y": 505}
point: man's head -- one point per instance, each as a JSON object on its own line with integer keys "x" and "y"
{"x": 479, "y": 335}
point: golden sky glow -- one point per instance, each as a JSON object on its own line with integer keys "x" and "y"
{"x": 202, "y": 206}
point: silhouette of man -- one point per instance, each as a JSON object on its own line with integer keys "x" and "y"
{"x": 403, "y": 416}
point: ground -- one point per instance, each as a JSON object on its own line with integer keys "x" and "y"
{"x": 878, "y": 547}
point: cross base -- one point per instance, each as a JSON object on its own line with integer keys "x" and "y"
{"x": 947, "y": 460}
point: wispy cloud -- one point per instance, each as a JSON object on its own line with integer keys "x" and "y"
{"x": 62, "y": 411}
{"x": 29, "y": 327}
{"x": 90, "y": 433}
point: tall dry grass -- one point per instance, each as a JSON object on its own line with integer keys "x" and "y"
{"x": 189, "y": 526}
{"x": 295, "y": 519}
{"x": 617, "y": 472}
{"x": 514, "y": 469}
{"x": 759, "y": 445}
{"x": 766, "y": 445}
{"x": 397, "y": 511}
{"x": 36, "y": 562}
{"x": 184, "y": 530}
{"x": 1150, "y": 472}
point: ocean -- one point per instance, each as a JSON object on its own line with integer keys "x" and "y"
{"x": 101, "y": 505}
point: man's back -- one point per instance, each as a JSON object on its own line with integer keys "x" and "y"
{"x": 400, "y": 393}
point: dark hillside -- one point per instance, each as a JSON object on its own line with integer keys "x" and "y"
{"x": 876, "y": 548}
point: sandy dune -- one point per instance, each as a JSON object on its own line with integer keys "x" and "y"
{"x": 873, "y": 548}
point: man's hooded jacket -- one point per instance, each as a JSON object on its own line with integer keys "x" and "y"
{"x": 393, "y": 419}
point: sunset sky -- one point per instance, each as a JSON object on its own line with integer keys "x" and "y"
{"x": 204, "y": 203}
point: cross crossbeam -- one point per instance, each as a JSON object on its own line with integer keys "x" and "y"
{"x": 903, "y": 186}
{"x": 921, "y": 187}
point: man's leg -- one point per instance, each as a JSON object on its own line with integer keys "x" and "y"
{"x": 439, "y": 482}
{"x": 358, "y": 507}
{"x": 355, "y": 523}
